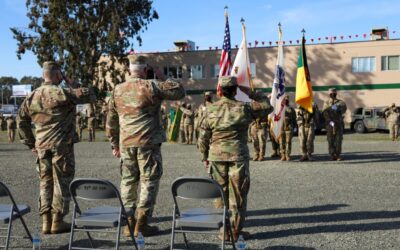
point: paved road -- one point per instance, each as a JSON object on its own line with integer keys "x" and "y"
{"x": 351, "y": 204}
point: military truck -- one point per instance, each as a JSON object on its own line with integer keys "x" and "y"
{"x": 368, "y": 119}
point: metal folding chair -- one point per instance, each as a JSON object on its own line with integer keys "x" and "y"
{"x": 10, "y": 212}
{"x": 101, "y": 218}
{"x": 199, "y": 220}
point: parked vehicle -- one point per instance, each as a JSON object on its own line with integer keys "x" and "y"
{"x": 368, "y": 119}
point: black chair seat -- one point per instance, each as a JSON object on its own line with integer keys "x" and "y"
{"x": 200, "y": 218}
{"x": 5, "y": 210}
{"x": 104, "y": 216}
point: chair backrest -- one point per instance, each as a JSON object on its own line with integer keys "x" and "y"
{"x": 93, "y": 189}
{"x": 196, "y": 188}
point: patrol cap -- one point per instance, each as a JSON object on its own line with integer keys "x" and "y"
{"x": 137, "y": 59}
{"x": 207, "y": 93}
{"x": 51, "y": 65}
{"x": 332, "y": 90}
{"x": 228, "y": 81}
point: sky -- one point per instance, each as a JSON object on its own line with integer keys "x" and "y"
{"x": 203, "y": 22}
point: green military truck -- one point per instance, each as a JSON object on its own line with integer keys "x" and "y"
{"x": 368, "y": 119}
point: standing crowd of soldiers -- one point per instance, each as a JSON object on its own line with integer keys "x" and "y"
{"x": 135, "y": 125}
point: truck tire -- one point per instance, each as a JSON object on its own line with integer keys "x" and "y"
{"x": 359, "y": 127}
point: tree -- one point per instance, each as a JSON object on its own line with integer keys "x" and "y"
{"x": 6, "y": 83}
{"x": 33, "y": 80}
{"x": 88, "y": 37}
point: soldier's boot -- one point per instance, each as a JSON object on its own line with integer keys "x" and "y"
{"x": 274, "y": 154}
{"x": 303, "y": 158}
{"x": 143, "y": 227}
{"x": 131, "y": 224}
{"x": 255, "y": 157}
{"x": 334, "y": 158}
{"x": 221, "y": 235}
{"x": 309, "y": 157}
{"x": 283, "y": 157}
{"x": 244, "y": 234}
{"x": 338, "y": 158}
{"x": 261, "y": 156}
{"x": 46, "y": 223}
{"x": 287, "y": 157}
{"x": 58, "y": 225}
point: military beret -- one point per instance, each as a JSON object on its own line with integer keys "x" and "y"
{"x": 332, "y": 90}
{"x": 207, "y": 93}
{"x": 228, "y": 81}
{"x": 137, "y": 59}
{"x": 50, "y": 65}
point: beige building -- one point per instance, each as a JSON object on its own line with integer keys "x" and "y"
{"x": 365, "y": 73}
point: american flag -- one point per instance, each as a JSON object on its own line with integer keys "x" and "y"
{"x": 225, "y": 63}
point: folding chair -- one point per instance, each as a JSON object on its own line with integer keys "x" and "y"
{"x": 10, "y": 212}
{"x": 101, "y": 218}
{"x": 199, "y": 220}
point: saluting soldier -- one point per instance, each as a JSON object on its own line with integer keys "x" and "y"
{"x": 52, "y": 110}
{"x": 223, "y": 145}
{"x": 333, "y": 112}
{"x": 392, "y": 115}
{"x": 188, "y": 123}
{"x": 136, "y": 133}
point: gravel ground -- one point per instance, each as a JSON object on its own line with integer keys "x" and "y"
{"x": 351, "y": 204}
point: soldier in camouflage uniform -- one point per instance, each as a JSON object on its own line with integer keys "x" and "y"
{"x": 333, "y": 112}
{"x": 188, "y": 123}
{"x": 52, "y": 110}
{"x": 104, "y": 111}
{"x": 164, "y": 119}
{"x": 79, "y": 125}
{"x": 223, "y": 145}
{"x": 201, "y": 110}
{"x": 182, "y": 134}
{"x": 135, "y": 131}
{"x": 288, "y": 126}
{"x": 392, "y": 115}
{"x": 258, "y": 133}
{"x": 91, "y": 121}
{"x": 11, "y": 126}
{"x": 306, "y": 126}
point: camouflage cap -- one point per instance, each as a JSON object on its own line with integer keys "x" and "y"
{"x": 137, "y": 59}
{"x": 51, "y": 65}
{"x": 332, "y": 90}
{"x": 228, "y": 81}
{"x": 207, "y": 93}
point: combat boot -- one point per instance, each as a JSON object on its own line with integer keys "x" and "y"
{"x": 283, "y": 158}
{"x": 255, "y": 157}
{"x": 221, "y": 235}
{"x": 46, "y": 223}
{"x": 334, "y": 158}
{"x": 58, "y": 225}
{"x": 288, "y": 157}
{"x": 309, "y": 157}
{"x": 143, "y": 227}
{"x": 132, "y": 224}
{"x": 303, "y": 158}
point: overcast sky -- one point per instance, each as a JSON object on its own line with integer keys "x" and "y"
{"x": 202, "y": 21}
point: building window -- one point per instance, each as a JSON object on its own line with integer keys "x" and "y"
{"x": 363, "y": 64}
{"x": 253, "y": 70}
{"x": 197, "y": 72}
{"x": 214, "y": 70}
{"x": 390, "y": 63}
{"x": 173, "y": 72}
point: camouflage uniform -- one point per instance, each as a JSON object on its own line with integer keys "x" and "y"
{"x": 79, "y": 125}
{"x": 134, "y": 125}
{"x": 164, "y": 118}
{"x": 11, "y": 126}
{"x": 333, "y": 112}
{"x": 285, "y": 140}
{"x": 393, "y": 120}
{"x": 258, "y": 133}
{"x": 91, "y": 121}
{"x": 223, "y": 142}
{"x": 188, "y": 123}
{"x": 306, "y": 125}
{"x": 52, "y": 110}
{"x": 104, "y": 110}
